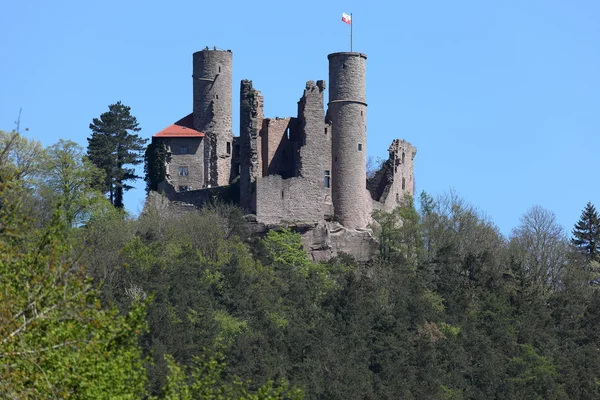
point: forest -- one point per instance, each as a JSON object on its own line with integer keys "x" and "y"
{"x": 96, "y": 303}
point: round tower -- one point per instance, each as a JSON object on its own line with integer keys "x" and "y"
{"x": 212, "y": 75}
{"x": 347, "y": 110}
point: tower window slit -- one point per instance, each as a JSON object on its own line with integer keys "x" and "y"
{"x": 360, "y": 147}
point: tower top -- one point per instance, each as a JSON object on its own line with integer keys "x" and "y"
{"x": 348, "y": 54}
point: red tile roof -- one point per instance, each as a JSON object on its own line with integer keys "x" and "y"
{"x": 181, "y": 128}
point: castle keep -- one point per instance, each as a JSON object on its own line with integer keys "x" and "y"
{"x": 307, "y": 170}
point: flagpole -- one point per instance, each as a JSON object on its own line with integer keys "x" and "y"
{"x": 351, "y": 24}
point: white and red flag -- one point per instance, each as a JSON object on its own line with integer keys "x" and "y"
{"x": 347, "y": 18}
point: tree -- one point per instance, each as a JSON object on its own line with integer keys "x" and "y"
{"x": 56, "y": 341}
{"x": 586, "y": 234}
{"x": 67, "y": 181}
{"x": 539, "y": 249}
{"x": 21, "y": 153}
{"x": 115, "y": 149}
{"x": 154, "y": 165}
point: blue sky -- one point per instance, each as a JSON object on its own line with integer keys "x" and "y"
{"x": 502, "y": 98}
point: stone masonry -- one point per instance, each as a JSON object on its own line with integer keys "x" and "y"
{"x": 212, "y": 76}
{"x": 306, "y": 171}
{"x": 251, "y": 116}
{"x": 348, "y": 113}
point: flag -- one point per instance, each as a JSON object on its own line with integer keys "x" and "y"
{"x": 347, "y": 18}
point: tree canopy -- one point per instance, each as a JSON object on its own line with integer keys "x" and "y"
{"x": 586, "y": 234}
{"x": 95, "y": 303}
{"x": 115, "y": 148}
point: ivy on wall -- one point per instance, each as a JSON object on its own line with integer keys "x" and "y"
{"x": 155, "y": 168}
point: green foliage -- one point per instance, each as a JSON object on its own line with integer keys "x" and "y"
{"x": 201, "y": 380}
{"x": 56, "y": 341}
{"x": 533, "y": 376}
{"x": 114, "y": 149}
{"x": 155, "y": 167}
{"x": 449, "y": 310}
{"x": 586, "y": 234}
{"x": 67, "y": 179}
{"x": 26, "y": 156}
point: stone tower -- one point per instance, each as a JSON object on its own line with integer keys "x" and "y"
{"x": 212, "y": 75}
{"x": 347, "y": 110}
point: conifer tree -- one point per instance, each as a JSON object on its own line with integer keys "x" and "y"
{"x": 115, "y": 148}
{"x": 586, "y": 234}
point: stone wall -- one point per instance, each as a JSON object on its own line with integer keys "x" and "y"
{"x": 184, "y": 152}
{"x": 313, "y": 147}
{"x": 251, "y": 115}
{"x": 395, "y": 178}
{"x": 277, "y": 150}
{"x": 290, "y": 200}
{"x": 348, "y": 113}
{"x": 299, "y": 198}
{"x": 212, "y": 77}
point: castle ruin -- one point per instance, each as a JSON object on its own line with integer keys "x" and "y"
{"x": 306, "y": 171}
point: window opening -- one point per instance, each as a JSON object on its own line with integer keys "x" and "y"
{"x": 183, "y": 171}
{"x": 183, "y": 150}
{"x": 402, "y": 157}
{"x": 282, "y": 194}
{"x": 287, "y": 132}
{"x": 184, "y": 188}
{"x": 326, "y": 131}
{"x": 360, "y": 147}
{"x": 403, "y": 183}
{"x": 219, "y": 69}
{"x": 327, "y": 179}
{"x": 228, "y": 148}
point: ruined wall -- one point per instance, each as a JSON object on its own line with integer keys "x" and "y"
{"x": 186, "y": 153}
{"x": 395, "y": 178}
{"x": 347, "y": 110}
{"x": 251, "y": 116}
{"x": 313, "y": 144}
{"x": 278, "y": 153}
{"x": 212, "y": 77}
{"x": 300, "y": 198}
{"x": 401, "y": 156}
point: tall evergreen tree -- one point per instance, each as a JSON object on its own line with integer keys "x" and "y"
{"x": 586, "y": 234}
{"x": 115, "y": 148}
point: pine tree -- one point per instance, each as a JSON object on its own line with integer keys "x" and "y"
{"x": 115, "y": 149}
{"x": 586, "y": 234}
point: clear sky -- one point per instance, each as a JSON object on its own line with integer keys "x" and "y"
{"x": 501, "y": 98}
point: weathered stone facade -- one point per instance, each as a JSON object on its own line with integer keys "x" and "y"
{"x": 305, "y": 171}
{"x": 395, "y": 178}
{"x": 212, "y": 76}
{"x": 348, "y": 114}
{"x": 185, "y": 163}
{"x": 251, "y": 116}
